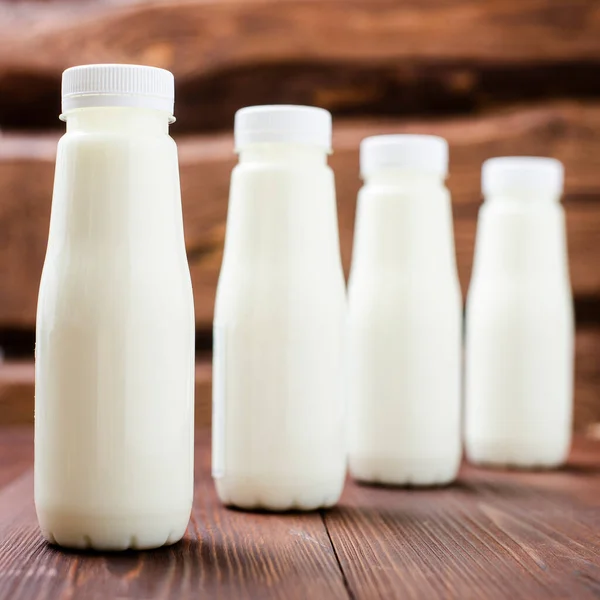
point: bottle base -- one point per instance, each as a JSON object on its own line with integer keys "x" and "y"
{"x": 112, "y": 533}
{"x": 252, "y": 495}
{"x": 403, "y": 473}
{"x": 509, "y": 456}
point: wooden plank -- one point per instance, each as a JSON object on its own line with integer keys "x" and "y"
{"x": 16, "y": 452}
{"x": 568, "y": 131}
{"x": 206, "y": 102}
{"x": 208, "y": 35}
{"x": 17, "y": 392}
{"x": 225, "y": 554}
{"x": 587, "y": 379}
{"x": 17, "y": 387}
{"x": 492, "y": 535}
{"x": 376, "y": 56}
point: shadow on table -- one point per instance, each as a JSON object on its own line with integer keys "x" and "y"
{"x": 526, "y": 489}
{"x": 190, "y": 564}
{"x": 205, "y": 561}
{"x": 580, "y": 468}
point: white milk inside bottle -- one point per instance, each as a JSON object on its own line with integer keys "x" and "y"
{"x": 519, "y": 353}
{"x": 115, "y": 322}
{"x": 405, "y": 317}
{"x": 278, "y": 435}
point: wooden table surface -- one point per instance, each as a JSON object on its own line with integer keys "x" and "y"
{"x": 491, "y": 535}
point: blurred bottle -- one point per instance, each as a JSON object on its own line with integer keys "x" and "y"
{"x": 278, "y": 440}
{"x": 405, "y": 317}
{"x": 519, "y": 353}
{"x": 115, "y": 322}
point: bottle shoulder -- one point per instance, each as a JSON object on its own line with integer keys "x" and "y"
{"x": 422, "y": 190}
{"x": 284, "y": 181}
{"x": 76, "y": 139}
{"x": 243, "y": 169}
{"x": 519, "y": 207}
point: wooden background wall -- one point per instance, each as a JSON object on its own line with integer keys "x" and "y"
{"x": 494, "y": 77}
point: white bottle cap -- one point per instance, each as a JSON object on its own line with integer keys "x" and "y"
{"x": 425, "y": 153}
{"x": 117, "y": 85}
{"x": 282, "y": 123}
{"x": 514, "y": 174}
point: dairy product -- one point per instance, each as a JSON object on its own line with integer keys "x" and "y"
{"x": 115, "y": 323}
{"x": 278, "y": 431}
{"x": 405, "y": 317}
{"x": 519, "y": 352}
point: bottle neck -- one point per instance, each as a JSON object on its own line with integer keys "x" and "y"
{"x": 284, "y": 154}
{"x": 523, "y": 199}
{"x": 124, "y": 120}
{"x": 403, "y": 177}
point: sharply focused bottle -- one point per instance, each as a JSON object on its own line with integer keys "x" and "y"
{"x": 115, "y": 322}
{"x": 520, "y": 328}
{"x": 405, "y": 317}
{"x": 278, "y": 435}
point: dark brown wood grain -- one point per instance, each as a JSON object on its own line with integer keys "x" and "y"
{"x": 568, "y": 131}
{"x": 401, "y": 89}
{"x": 364, "y": 57}
{"x": 201, "y": 39}
{"x": 207, "y": 102}
{"x": 16, "y": 392}
{"x": 201, "y": 36}
{"x": 587, "y": 378}
{"x": 225, "y": 554}
{"x": 493, "y": 534}
{"x": 16, "y": 452}
{"x": 17, "y": 386}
